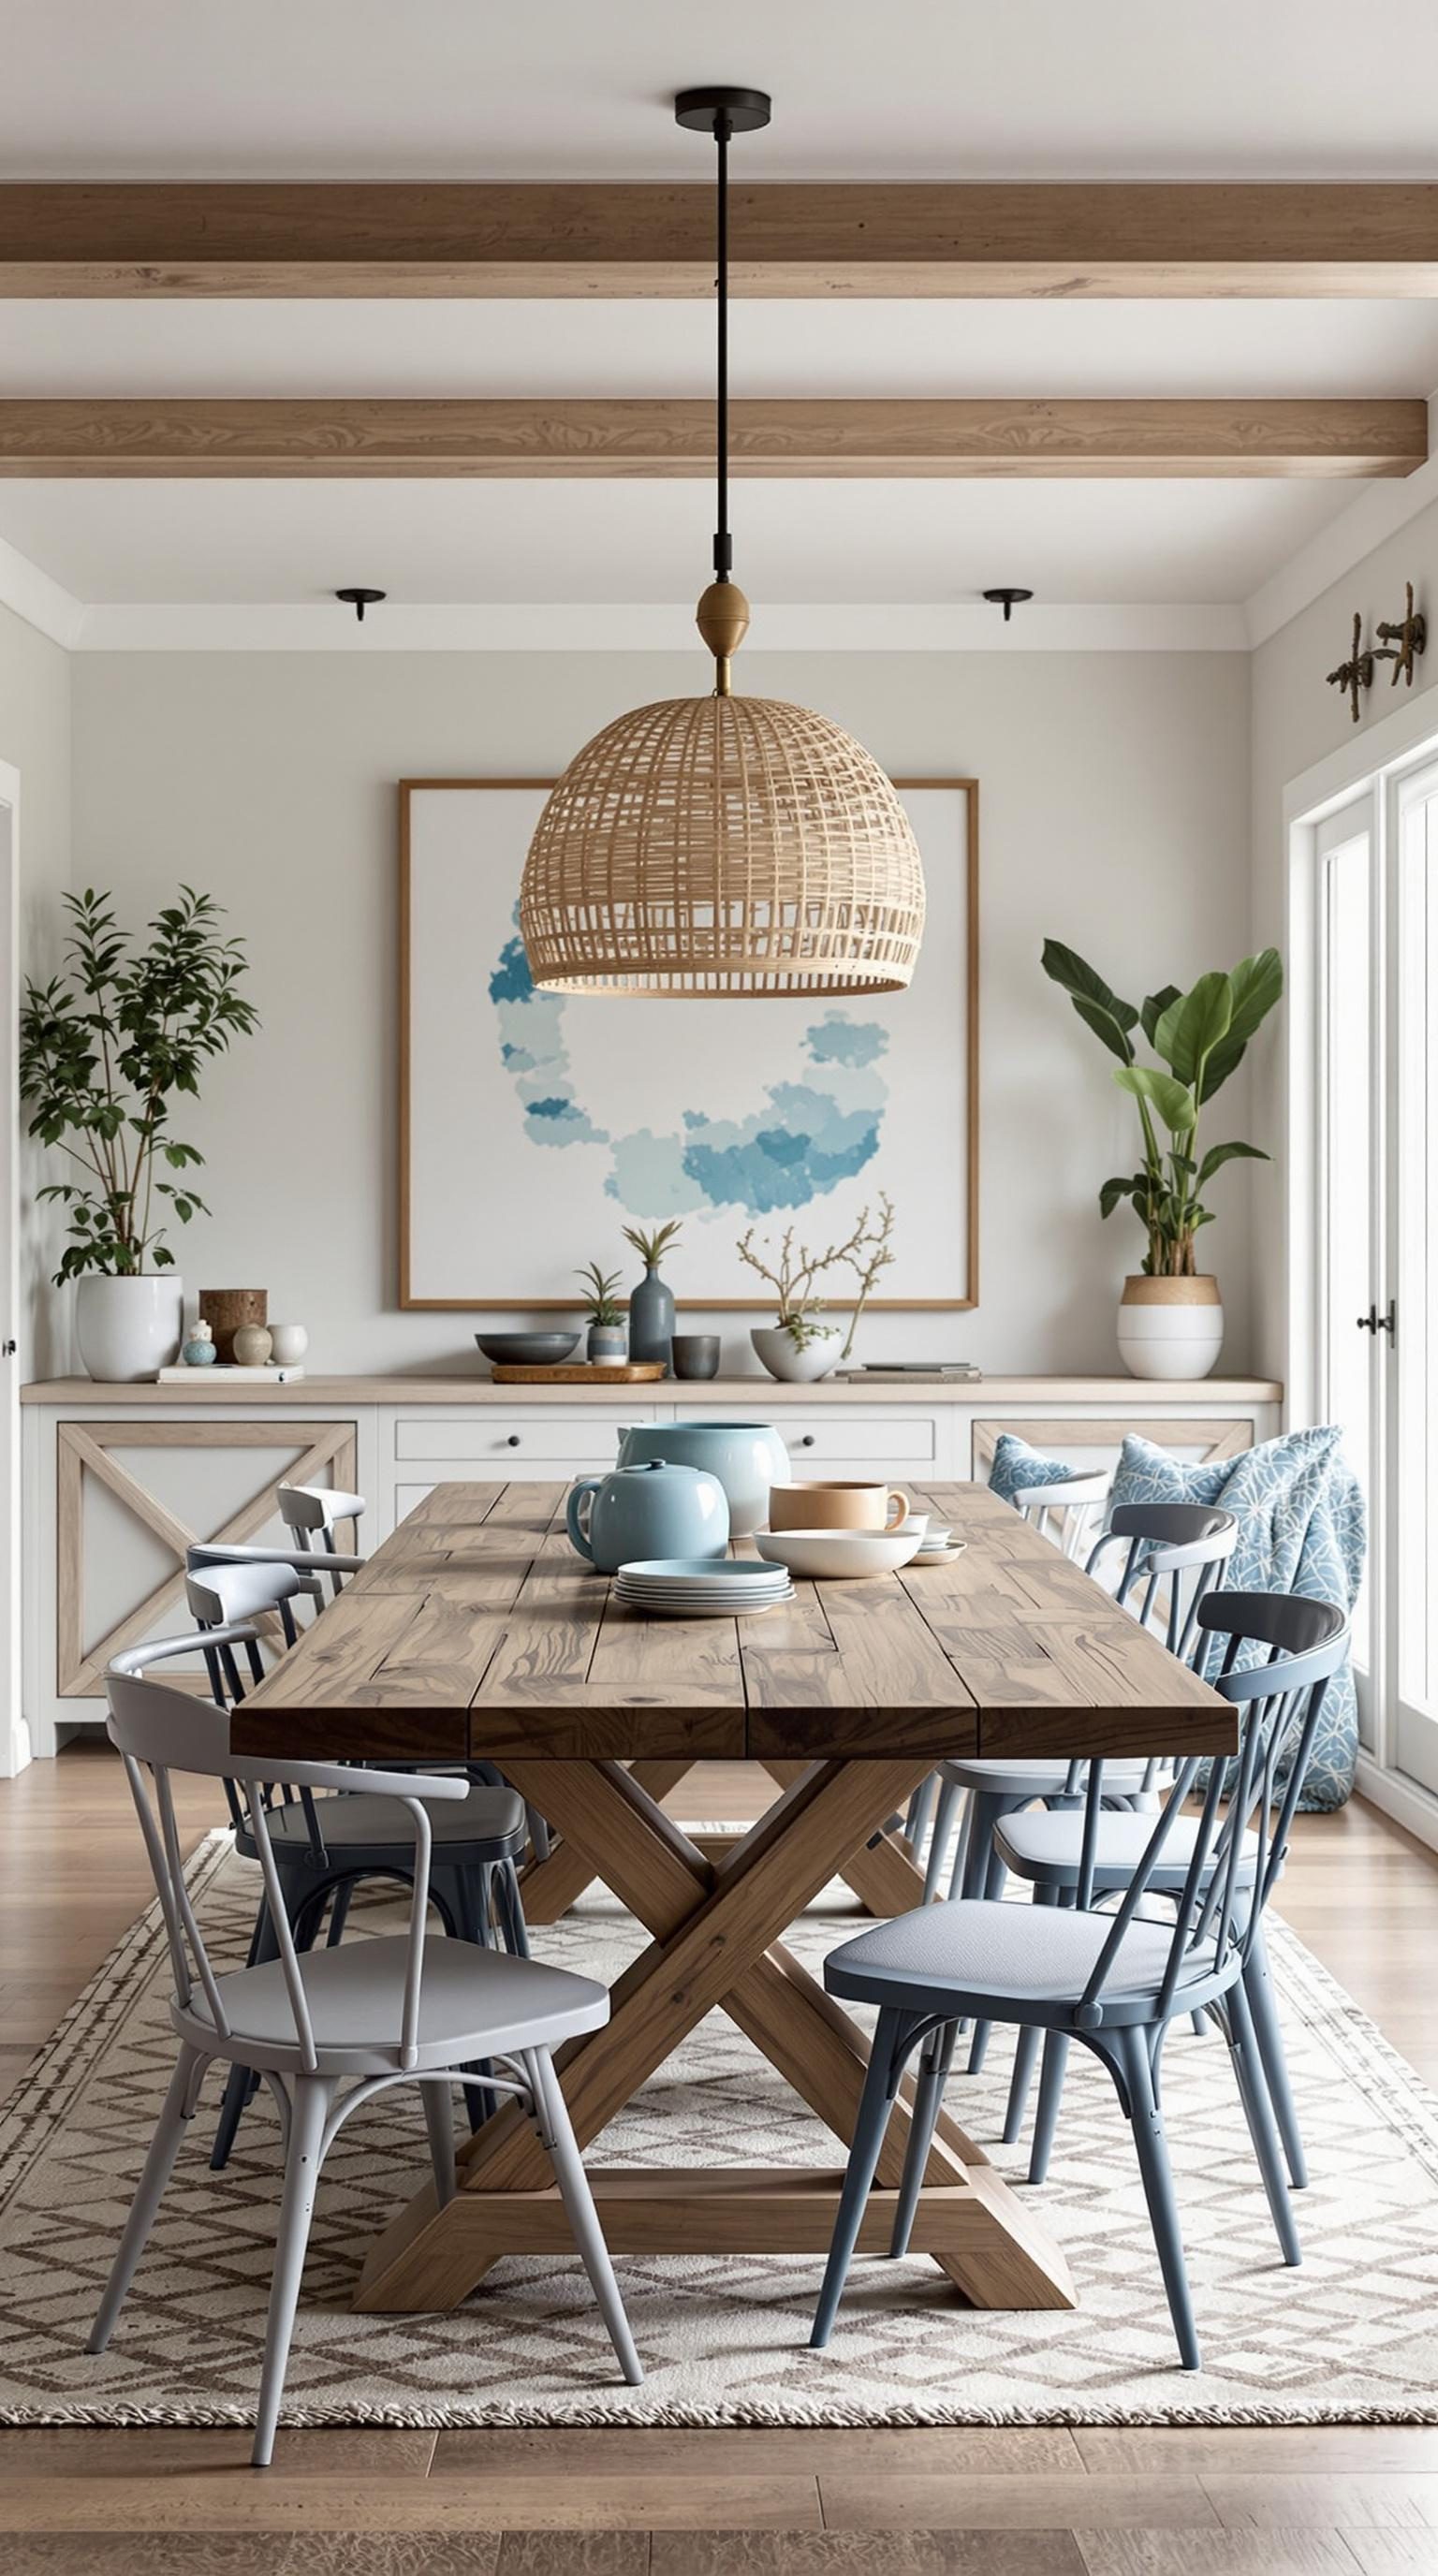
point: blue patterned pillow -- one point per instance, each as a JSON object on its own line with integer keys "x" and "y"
{"x": 1016, "y": 1466}
{"x": 1302, "y": 1528}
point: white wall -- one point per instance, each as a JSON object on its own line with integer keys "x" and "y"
{"x": 1114, "y": 813}
{"x": 35, "y": 739}
{"x": 1297, "y": 721}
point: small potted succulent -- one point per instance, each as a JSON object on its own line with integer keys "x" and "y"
{"x": 798, "y": 1346}
{"x": 651, "y": 1304}
{"x": 1170, "y": 1319}
{"x": 607, "y": 1337}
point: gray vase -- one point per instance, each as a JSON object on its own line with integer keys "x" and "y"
{"x": 651, "y": 1319}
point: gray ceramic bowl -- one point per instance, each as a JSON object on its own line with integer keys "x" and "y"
{"x": 527, "y": 1350}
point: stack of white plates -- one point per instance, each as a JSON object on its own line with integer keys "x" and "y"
{"x": 697, "y": 1587}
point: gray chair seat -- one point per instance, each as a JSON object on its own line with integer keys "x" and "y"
{"x": 999, "y": 1779}
{"x": 1046, "y": 1845}
{"x": 473, "y": 2004}
{"x": 347, "y": 1823}
{"x": 996, "y": 1955}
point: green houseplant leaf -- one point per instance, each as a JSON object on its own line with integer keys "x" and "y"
{"x": 1172, "y": 1099}
{"x": 1257, "y": 985}
{"x": 1218, "y": 1155}
{"x": 1097, "y": 1006}
{"x": 1192, "y": 1026}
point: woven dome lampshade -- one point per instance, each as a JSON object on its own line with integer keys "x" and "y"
{"x": 722, "y": 845}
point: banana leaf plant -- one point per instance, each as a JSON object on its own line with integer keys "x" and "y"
{"x": 1200, "y": 1038}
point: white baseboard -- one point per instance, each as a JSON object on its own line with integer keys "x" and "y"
{"x": 16, "y": 1749}
{"x": 1400, "y": 1798}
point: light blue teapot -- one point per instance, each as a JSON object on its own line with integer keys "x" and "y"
{"x": 747, "y": 1458}
{"x": 651, "y": 1510}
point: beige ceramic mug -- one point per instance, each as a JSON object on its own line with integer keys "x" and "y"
{"x": 825, "y": 1504}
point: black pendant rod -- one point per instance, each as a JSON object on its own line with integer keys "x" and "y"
{"x": 723, "y": 546}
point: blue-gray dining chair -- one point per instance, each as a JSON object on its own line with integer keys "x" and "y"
{"x": 323, "y": 1851}
{"x": 1112, "y": 1981}
{"x": 310, "y": 2023}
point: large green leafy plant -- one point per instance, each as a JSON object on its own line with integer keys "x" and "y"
{"x": 104, "y": 1048}
{"x": 1200, "y": 1038}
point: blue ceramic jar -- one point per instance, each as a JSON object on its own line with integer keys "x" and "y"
{"x": 747, "y": 1458}
{"x": 657, "y": 1509}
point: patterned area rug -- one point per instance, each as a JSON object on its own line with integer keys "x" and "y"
{"x": 1350, "y": 2337}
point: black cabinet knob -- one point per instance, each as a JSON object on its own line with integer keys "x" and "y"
{"x": 513, "y": 1440}
{"x": 806, "y": 1440}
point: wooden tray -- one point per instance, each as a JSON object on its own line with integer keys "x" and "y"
{"x": 580, "y": 1373}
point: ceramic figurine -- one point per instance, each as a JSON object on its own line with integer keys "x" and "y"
{"x": 199, "y": 1350}
{"x": 288, "y": 1344}
{"x": 252, "y": 1346}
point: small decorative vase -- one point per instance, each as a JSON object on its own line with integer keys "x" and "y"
{"x": 227, "y": 1308}
{"x": 252, "y": 1346}
{"x": 1170, "y": 1328}
{"x": 694, "y": 1355}
{"x": 782, "y": 1357}
{"x": 651, "y": 1318}
{"x": 199, "y": 1350}
{"x": 606, "y": 1342}
{"x": 129, "y": 1327}
{"x": 288, "y": 1344}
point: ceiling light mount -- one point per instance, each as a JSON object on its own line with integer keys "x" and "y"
{"x": 1008, "y": 598}
{"x": 359, "y": 599}
{"x": 703, "y": 111}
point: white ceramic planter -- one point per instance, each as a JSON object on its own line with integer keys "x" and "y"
{"x": 1170, "y": 1327}
{"x": 780, "y": 1355}
{"x": 128, "y": 1328}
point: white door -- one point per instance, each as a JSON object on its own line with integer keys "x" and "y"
{"x": 1377, "y": 1249}
{"x": 14, "y": 1737}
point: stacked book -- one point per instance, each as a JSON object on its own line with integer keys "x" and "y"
{"x": 913, "y": 1373}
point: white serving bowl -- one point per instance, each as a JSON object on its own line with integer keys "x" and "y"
{"x": 827, "y": 1554}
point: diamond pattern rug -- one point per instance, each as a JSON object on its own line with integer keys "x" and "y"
{"x": 1350, "y": 2337}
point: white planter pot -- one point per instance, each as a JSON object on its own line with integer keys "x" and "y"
{"x": 781, "y": 1356}
{"x": 128, "y": 1328}
{"x": 1170, "y": 1327}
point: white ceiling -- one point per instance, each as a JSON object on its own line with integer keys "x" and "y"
{"x": 472, "y": 346}
{"x": 808, "y": 541}
{"x": 326, "y": 89}
{"x": 430, "y": 89}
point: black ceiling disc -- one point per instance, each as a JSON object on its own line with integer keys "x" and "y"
{"x": 701, "y": 109}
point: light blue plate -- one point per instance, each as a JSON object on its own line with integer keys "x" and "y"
{"x": 699, "y": 1569}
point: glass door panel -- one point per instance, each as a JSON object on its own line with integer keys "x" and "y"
{"x": 1414, "y": 1444}
{"x": 1348, "y": 1165}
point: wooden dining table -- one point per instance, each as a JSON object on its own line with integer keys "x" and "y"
{"x": 475, "y": 1633}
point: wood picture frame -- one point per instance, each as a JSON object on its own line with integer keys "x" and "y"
{"x": 417, "y": 1289}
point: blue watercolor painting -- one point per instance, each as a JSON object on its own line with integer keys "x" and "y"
{"x": 813, "y": 1131}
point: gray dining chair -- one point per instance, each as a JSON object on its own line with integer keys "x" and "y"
{"x": 1176, "y": 1553}
{"x": 1113, "y": 1981}
{"x": 1048, "y": 1851}
{"x": 311, "y": 1513}
{"x": 407, "y": 2008}
{"x": 324, "y": 1850}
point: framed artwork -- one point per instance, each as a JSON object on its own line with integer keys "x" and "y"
{"x": 534, "y": 1126}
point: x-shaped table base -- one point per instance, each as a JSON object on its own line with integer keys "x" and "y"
{"x": 716, "y": 1932}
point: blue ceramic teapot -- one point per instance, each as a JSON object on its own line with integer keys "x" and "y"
{"x": 651, "y": 1510}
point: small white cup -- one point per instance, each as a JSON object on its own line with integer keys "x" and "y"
{"x": 915, "y": 1525}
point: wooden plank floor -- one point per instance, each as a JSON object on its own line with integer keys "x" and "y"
{"x": 1345, "y": 2501}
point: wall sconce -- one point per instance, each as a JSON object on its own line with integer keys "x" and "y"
{"x": 1357, "y": 672}
{"x": 1402, "y": 640}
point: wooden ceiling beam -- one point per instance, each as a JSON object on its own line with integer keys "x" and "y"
{"x": 608, "y": 438}
{"x": 857, "y": 239}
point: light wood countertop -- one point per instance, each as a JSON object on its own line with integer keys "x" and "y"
{"x": 756, "y": 1394}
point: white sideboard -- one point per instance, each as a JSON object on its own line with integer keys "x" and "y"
{"x": 120, "y": 1479}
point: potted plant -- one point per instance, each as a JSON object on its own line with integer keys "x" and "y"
{"x": 606, "y": 1316}
{"x": 104, "y": 1048}
{"x": 651, "y": 1304}
{"x": 1171, "y": 1318}
{"x": 796, "y": 1347}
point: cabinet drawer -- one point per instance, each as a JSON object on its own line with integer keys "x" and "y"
{"x": 858, "y": 1437}
{"x": 492, "y": 1434}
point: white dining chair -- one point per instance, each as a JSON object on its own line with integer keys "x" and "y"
{"x": 328, "y": 2030}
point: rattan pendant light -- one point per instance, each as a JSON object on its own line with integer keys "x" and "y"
{"x": 722, "y": 845}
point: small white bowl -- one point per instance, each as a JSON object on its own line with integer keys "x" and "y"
{"x": 824, "y": 1555}
{"x": 915, "y": 1525}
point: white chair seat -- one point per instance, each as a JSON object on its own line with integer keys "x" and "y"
{"x": 349, "y": 1823}
{"x": 1045, "y": 1845}
{"x": 976, "y": 1952}
{"x": 473, "y": 2004}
